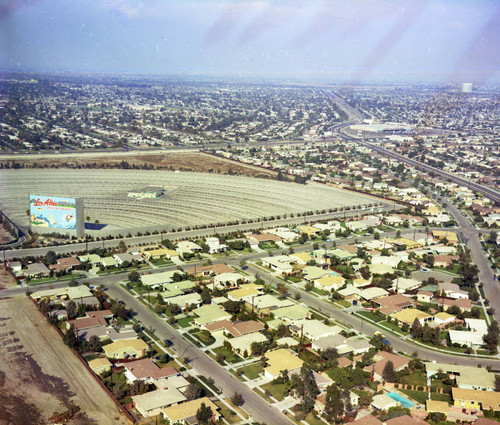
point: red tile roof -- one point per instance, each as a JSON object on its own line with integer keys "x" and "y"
{"x": 146, "y": 368}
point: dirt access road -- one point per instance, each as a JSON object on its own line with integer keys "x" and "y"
{"x": 40, "y": 376}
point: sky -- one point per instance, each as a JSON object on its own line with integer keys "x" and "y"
{"x": 357, "y": 41}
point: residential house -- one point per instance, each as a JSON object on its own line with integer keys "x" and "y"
{"x": 402, "y": 284}
{"x": 381, "y": 359}
{"x": 151, "y": 403}
{"x": 380, "y": 269}
{"x": 475, "y": 399}
{"x": 36, "y": 271}
{"x": 157, "y": 280}
{"x": 210, "y": 313}
{"x": 188, "y": 247}
{"x": 330, "y": 282}
{"x": 236, "y": 329}
{"x": 315, "y": 329}
{"x": 466, "y": 377}
{"x": 147, "y": 370}
{"x": 93, "y": 259}
{"x": 185, "y": 413}
{"x": 469, "y": 339}
{"x": 452, "y": 290}
{"x": 279, "y": 360}
{"x": 301, "y": 258}
{"x": 256, "y": 239}
{"x": 409, "y": 315}
{"x": 245, "y": 292}
{"x": 372, "y": 293}
{"x": 205, "y": 271}
{"x": 446, "y": 303}
{"x": 65, "y": 263}
{"x": 265, "y": 304}
{"x": 310, "y": 231}
{"x": 293, "y": 314}
{"x": 126, "y": 257}
{"x": 281, "y": 264}
{"x": 229, "y": 279}
{"x": 312, "y": 273}
{"x": 127, "y": 348}
{"x": 393, "y": 303}
{"x": 100, "y": 365}
{"x": 215, "y": 246}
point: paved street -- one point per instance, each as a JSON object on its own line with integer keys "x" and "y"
{"x": 203, "y": 364}
{"x": 192, "y": 234}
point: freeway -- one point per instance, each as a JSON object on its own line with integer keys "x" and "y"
{"x": 488, "y": 192}
{"x": 355, "y": 116}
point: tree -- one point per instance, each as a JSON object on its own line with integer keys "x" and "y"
{"x": 204, "y": 414}
{"x": 119, "y": 310}
{"x": 258, "y": 348}
{"x": 491, "y": 338}
{"x": 94, "y": 343}
{"x": 330, "y": 353}
{"x": 70, "y": 338}
{"x": 51, "y": 257}
{"x": 193, "y": 392}
{"x": 426, "y": 333}
{"x": 416, "y": 329}
{"x": 205, "y": 296}
{"x": 283, "y": 290}
{"x": 237, "y": 399}
{"x": 134, "y": 276}
{"x": 388, "y": 373}
{"x": 122, "y": 246}
{"x": 305, "y": 388}
{"x": 71, "y": 310}
{"x": 334, "y": 407}
{"x": 174, "y": 309}
{"x": 232, "y": 307}
{"x": 282, "y": 331}
{"x": 139, "y": 387}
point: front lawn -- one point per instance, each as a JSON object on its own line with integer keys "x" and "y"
{"x": 185, "y": 322}
{"x": 370, "y": 315}
{"x": 205, "y": 337}
{"x": 313, "y": 419}
{"x": 278, "y": 391}
{"x": 229, "y": 356}
{"x": 252, "y": 371}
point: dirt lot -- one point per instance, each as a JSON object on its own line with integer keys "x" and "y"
{"x": 6, "y": 279}
{"x": 183, "y": 161}
{"x": 40, "y": 376}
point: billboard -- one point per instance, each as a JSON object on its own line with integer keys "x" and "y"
{"x": 56, "y": 214}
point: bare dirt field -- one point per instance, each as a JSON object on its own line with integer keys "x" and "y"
{"x": 40, "y": 376}
{"x": 6, "y": 279}
{"x": 5, "y": 236}
{"x": 183, "y": 161}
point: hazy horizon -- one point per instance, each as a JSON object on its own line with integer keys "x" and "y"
{"x": 357, "y": 42}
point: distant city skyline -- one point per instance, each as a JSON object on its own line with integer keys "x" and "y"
{"x": 439, "y": 41}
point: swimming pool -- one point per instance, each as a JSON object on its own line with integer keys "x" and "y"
{"x": 404, "y": 401}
